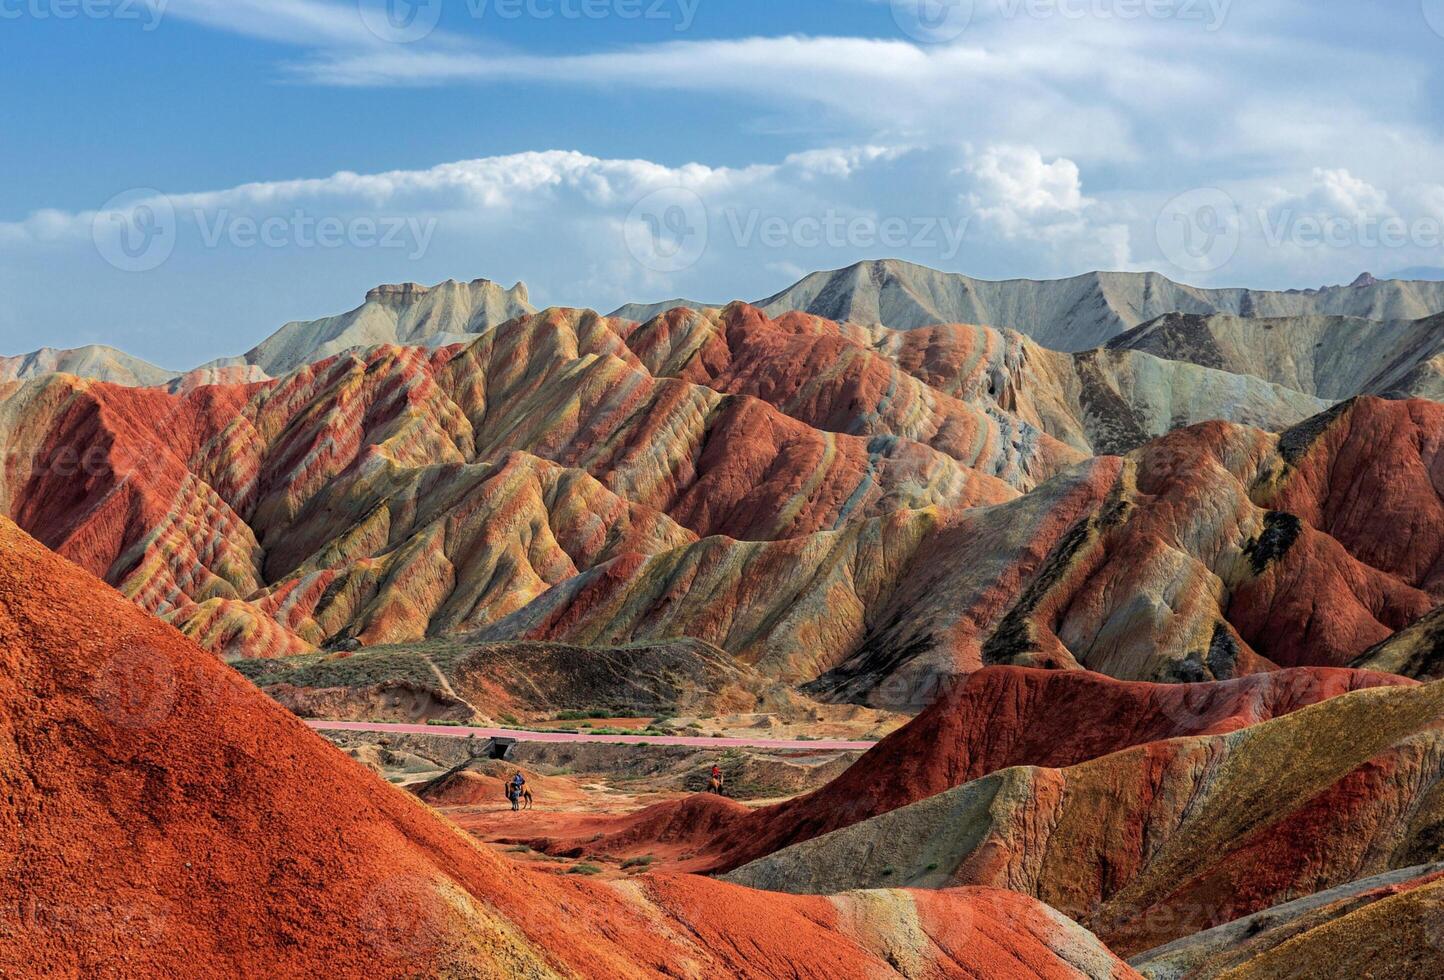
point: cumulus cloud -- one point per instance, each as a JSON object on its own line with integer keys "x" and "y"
{"x": 570, "y": 224}
{"x": 1052, "y": 142}
{"x": 492, "y": 185}
{"x": 1027, "y": 198}
{"x": 1016, "y": 189}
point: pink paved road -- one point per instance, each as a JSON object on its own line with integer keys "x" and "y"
{"x": 689, "y": 741}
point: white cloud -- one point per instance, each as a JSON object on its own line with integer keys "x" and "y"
{"x": 495, "y": 185}
{"x": 561, "y": 220}
{"x": 1181, "y": 97}
{"x": 1017, "y": 190}
{"x": 1027, "y": 198}
{"x": 1086, "y": 127}
{"x": 1340, "y": 192}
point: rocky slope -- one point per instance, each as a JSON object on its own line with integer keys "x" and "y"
{"x": 994, "y": 719}
{"x": 1215, "y": 552}
{"x": 1416, "y": 651}
{"x": 828, "y": 504}
{"x": 100, "y": 363}
{"x": 1332, "y": 357}
{"x": 1098, "y": 401}
{"x": 1073, "y": 314}
{"x": 218, "y": 837}
{"x": 642, "y": 312}
{"x": 1161, "y": 841}
{"x": 1386, "y": 926}
{"x": 465, "y": 681}
{"x": 406, "y": 314}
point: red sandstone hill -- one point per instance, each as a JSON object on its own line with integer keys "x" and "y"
{"x": 164, "y": 819}
{"x": 1162, "y": 840}
{"x": 995, "y": 719}
{"x": 831, "y": 506}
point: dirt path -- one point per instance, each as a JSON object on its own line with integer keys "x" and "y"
{"x": 699, "y": 742}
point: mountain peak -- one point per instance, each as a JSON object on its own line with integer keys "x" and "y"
{"x": 1365, "y": 279}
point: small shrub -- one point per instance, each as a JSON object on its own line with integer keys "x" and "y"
{"x": 584, "y": 869}
{"x": 638, "y": 862}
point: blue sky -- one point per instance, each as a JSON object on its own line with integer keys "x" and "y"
{"x": 614, "y": 150}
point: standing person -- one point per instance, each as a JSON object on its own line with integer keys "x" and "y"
{"x": 714, "y": 782}
{"x": 515, "y": 789}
